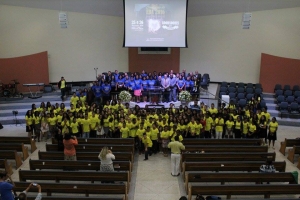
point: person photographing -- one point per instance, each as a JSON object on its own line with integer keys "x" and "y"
{"x": 6, "y": 187}
{"x": 23, "y": 195}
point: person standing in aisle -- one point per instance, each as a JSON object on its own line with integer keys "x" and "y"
{"x": 147, "y": 144}
{"x": 176, "y": 148}
{"x": 62, "y": 86}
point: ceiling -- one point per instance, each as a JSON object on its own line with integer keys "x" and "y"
{"x": 196, "y": 7}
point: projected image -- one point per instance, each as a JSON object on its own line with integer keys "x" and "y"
{"x": 155, "y": 25}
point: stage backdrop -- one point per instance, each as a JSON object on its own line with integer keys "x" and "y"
{"x": 154, "y": 62}
{"x": 277, "y": 70}
{"x": 26, "y": 69}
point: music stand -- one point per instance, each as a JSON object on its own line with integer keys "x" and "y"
{"x": 15, "y": 119}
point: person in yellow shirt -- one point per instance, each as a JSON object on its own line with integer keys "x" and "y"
{"x": 229, "y": 127}
{"x": 74, "y": 99}
{"x": 147, "y": 145}
{"x": 94, "y": 125}
{"x": 176, "y": 148}
{"x": 154, "y": 137}
{"x": 52, "y": 124}
{"x": 208, "y": 125}
{"x": 273, "y": 127}
{"x": 105, "y": 125}
{"x": 29, "y": 122}
{"x": 238, "y": 128}
{"x": 245, "y": 125}
{"x": 124, "y": 131}
{"x": 82, "y": 98}
{"x": 252, "y": 129}
{"x": 65, "y": 125}
{"x": 192, "y": 126}
{"x": 176, "y": 132}
{"x": 262, "y": 129}
{"x": 74, "y": 127}
{"x": 212, "y": 109}
{"x": 62, "y": 86}
{"x": 164, "y": 135}
{"x": 86, "y": 126}
{"x": 219, "y": 122}
{"x": 37, "y": 125}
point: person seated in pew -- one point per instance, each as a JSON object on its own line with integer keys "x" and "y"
{"x": 23, "y": 195}
{"x": 106, "y": 161}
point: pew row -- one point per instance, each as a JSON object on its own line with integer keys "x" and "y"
{"x": 58, "y": 155}
{"x": 228, "y": 148}
{"x": 6, "y": 166}
{"x": 292, "y": 152}
{"x": 120, "y": 141}
{"x": 247, "y": 166}
{"x": 234, "y": 142}
{"x": 11, "y": 155}
{"x": 76, "y": 188}
{"x": 288, "y": 143}
{"x": 229, "y": 190}
{"x": 18, "y": 147}
{"x": 76, "y": 165}
{"x": 18, "y": 140}
{"x": 198, "y": 177}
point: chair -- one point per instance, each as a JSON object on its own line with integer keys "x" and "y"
{"x": 224, "y": 84}
{"x": 231, "y": 89}
{"x": 278, "y": 92}
{"x": 233, "y": 100}
{"x": 297, "y": 94}
{"x": 249, "y": 90}
{"x": 286, "y": 87}
{"x": 280, "y": 99}
{"x": 232, "y": 95}
{"x": 249, "y": 96}
{"x": 240, "y": 96}
{"x": 288, "y": 93}
{"x": 249, "y": 85}
{"x": 241, "y": 85}
{"x": 294, "y": 108}
{"x": 258, "y": 91}
{"x": 277, "y": 87}
{"x": 222, "y": 93}
{"x": 283, "y": 108}
{"x": 223, "y": 89}
{"x": 258, "y": 85}
{"x": 232, "y": 84}
{"x": 298, "y": 100}
{"x": 296, "y": 88}
{"x": 240, "y": 90}
{"x": 206, "y": 76}
{"x": 290, "y": 99}
{"x": 242, "y": 103}
{"x": 204, "y": 83}
{"x": 263, "y": 104}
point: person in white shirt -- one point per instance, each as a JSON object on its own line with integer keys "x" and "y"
{"x": 23, "y": 195}
{"x": 106, "y": 157}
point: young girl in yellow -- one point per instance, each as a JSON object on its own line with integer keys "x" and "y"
{"x": 164, "y": 135}
{"x": 124, "y": 131}
{"x": 154, "y": 138}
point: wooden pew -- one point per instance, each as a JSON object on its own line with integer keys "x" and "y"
{"x": 58, "y": 176}
{"x": 246, "y": 166}
{"x": 232, "y": 156}
{"x": 228, "y": 148}
{"x": 234, "y": 142}
{"x": 95, "y": 147}
{"x": 198, "y": 177}
{"x": 125, "y": 141}
{"x": 76, "y": 165}
{"x": 6, "y": 166}
{"x": 24, "y": 140}
{"x": 245, "y": 190}
{"x": 76, "y": 188}
{"x": 13, "y": 155}
{"x": 298, "y": 165}
{"x": 80, "y": 198}
{"x": 292, "y": 152}
{"x": 288, "y": 143}
{"x": 18, "y": 147}
{"x": 58, "y": 155}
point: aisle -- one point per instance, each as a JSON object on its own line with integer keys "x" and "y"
{"x": 154, "y": 180}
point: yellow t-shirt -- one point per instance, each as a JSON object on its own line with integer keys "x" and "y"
{"x": 213, "y": 111}
{"x": 82, "y": 99}
{"x": 65, "y": 126}
{"x": 209, "y": 122}
{"x": 140, "y": 132}
{"x": 74, "y": 127}
{"x": 85, "y": 125}
{"x": 273, "y": 126}
{"x": 229, "y": 124}
{"x": 37, "y": 120}
{"x": 165, "y": 134}
{"x": 74, "y": 100}
{"x": 124, "y": 132}
{"x": 252, "y": 128}
{"x": 52, "y": 120}
{"x": 173, "y": 138}
{"x": 106, "y": 122}
{"x": 192, "y": 127}
{"x": 94, "y": 121}
{"x": 59, "y": 118}
{"x": 154, "y": 134}
{"x": 147, "y": 142}
{"x": 198, "y": 129}
{"x": 176, "y": 147}
{"x": 62, "y": 84}
{"x": 245, "y": 127}
{"x": 219, "y": 124}
{"x": 238, "y": 125}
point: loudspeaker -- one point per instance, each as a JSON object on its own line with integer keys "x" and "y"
{"x": 48, "y": 88}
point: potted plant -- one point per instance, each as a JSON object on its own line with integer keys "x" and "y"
{"x": 125, "y": 96}
{"x": 185, "y": 97}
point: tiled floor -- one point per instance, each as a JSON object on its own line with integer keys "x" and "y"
{"x": 152, "y": 179}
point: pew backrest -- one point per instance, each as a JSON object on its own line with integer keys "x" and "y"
{"x": 234, "y": 142}
{"x": 24, "y": 140}
{"x": 288, "y": 143}
{"x": 6, "y": 166}
{"x": 11, "y": 155}
{"x": 227, "y": 148}
{"x": 19, "y": 147}
{"x": 292, "y": 152}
